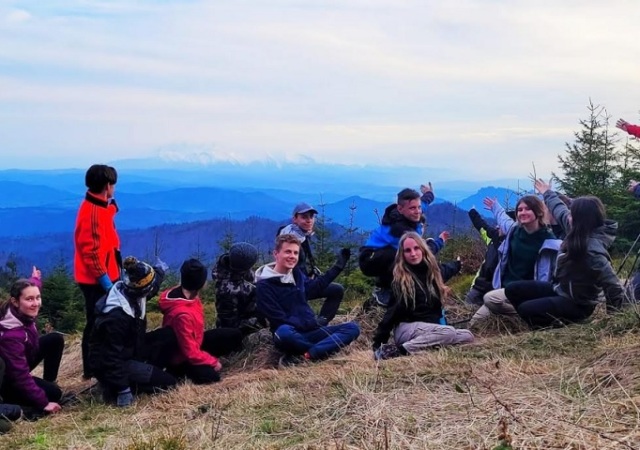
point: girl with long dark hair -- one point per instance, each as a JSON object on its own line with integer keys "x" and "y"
{"x": 583, "y": 268}
{"x": 417, "y": 293}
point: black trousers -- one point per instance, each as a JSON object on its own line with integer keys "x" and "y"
{"x": 50, "y": 351}
{"x": 217, "y": 342}
{"x": 92, "y": 293}
{"x": 540, "y": 306}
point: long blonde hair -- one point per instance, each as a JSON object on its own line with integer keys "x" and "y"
{"x": 404, "y": 279}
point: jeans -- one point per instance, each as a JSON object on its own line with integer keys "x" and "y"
{"x": 319, "y": 343}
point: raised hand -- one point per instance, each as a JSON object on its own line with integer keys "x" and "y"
{"x": 488, "y": 203}
{"x": 444, "y": 236}
{"x": 36, "y": 273}
{"x": 622, "y": 124}
{"x": 424, "y": 188}
{"x": 632, "y": 185}
{"x": 542, "y": 186}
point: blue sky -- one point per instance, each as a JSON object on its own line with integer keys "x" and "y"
{"x": 475, "y": 88}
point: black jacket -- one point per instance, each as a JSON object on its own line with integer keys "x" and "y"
{"x": 427, "y": 308}
{"x": 483, "y": 281}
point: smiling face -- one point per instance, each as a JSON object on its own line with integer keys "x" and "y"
{"x": 412, "y": 252}
{"x": 411, "y": 209}
{"x": 29, "y": 301}
{"x": 286, "y": 257}
{"x": 525, "y": 215}
{"x": 305, "y": 221}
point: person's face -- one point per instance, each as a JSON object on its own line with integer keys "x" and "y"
{"x": 29, "y": 302}
{"x": 111, "y": 190}
{"x": 525, "y": 215}
{"x": 412, "y": 252}
{"x": 411, "y": 210}
{"x": 286, "y": 257}
{"x": 305, "y": 221}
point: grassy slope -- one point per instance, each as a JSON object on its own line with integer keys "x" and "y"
{"x": 573, "y": 388}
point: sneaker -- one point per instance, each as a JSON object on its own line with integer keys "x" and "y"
{"x": 382, "y": 296}
{"x": 387, "y": 351}
{"x": 322, "y": 321}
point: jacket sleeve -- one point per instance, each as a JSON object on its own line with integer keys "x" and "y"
{"x": 477, "y": 220}
{"x": 426, "y": 199}
{"x": 636, "y": 191}
{"x": 115, "y": 339}
{"x": 315, "y": 286}
{"x": 450, "y": 269}
{"x": 608, "y": 281}
{"x": 184, "y": 328}
{"x": 18, "y": 374}
{"x": 558, "y": 210}
{"x": 633, "y": 130}
{"x": 91, "y": 241}
{"x": 387, "y": 323}
{"x": 504, "y": 221}
{"x": 435, "y": 244}
{"x": 268, "y": 305}
{"x": 227, "y": 300}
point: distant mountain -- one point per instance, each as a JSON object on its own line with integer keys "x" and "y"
{"x": 506, "y": 197}
{"x": 16, "y": 194}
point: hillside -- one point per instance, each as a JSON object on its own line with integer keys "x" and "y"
{"x": 571, "y": 388}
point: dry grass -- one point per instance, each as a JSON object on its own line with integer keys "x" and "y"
{"x": 572, "y": 388}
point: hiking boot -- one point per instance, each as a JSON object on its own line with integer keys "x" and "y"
{"x": 10, "y": 412}
{"x": 5, "y": 426}
{"x": 387, "y": 351}
{"x": 290, "y": 360}
{"x": 382, "y": 296}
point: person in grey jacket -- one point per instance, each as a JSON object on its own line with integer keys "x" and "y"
{"x": 583, "y": 269}
{"x": 528, "y": 252}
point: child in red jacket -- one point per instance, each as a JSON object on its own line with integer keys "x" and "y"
{"x": 184, "y": 313}
{"x": 97, "y": 261}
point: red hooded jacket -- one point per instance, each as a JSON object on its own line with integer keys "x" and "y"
{"x": 186, "y": 317}
{"x": 96, "y": 241}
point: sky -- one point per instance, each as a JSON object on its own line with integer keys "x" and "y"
{"x": 470, "y": 89}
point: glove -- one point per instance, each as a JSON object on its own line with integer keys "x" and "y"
{"x": 161, "y": 264}
{"x": 125, "y": 398}
{"x": 105, "y": 282}
{"x": 343, "y": 258}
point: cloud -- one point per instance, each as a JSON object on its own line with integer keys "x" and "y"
{"x": 349, "y": 81}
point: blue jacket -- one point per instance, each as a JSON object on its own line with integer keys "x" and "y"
{"x": 282, "y": 299}
{"x": 545, "y": 263}
{"x": 394, "y": 225}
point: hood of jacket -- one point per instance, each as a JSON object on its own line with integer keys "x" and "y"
{"x": 117, "y": 299}
{"x": 298, "y": 232}
{"x": 10, "y": 321}
{"x": 268, "y": 271}
{"x": 168, "y": 302}
{"x": 605, "y": 234}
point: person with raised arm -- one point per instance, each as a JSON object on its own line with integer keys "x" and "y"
{"x": 583, "y": 269}
{"x": 22, "y": 349}
{"x": 528, "y": 252}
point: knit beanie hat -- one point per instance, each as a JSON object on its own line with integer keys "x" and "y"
{"x": 193, "y": 275}
{"x": 138, "y": 276}
{"x": 242, "y": 256}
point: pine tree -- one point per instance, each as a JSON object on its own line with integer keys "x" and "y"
{"x": 591, "y": 163}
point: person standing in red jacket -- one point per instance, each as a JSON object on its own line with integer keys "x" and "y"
{"x": 97, "y": 261}
{"x": 197, "y": 358}
{"x": 633, "y": 130}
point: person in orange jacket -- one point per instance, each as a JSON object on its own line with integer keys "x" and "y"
{"x": 97, "y": 260}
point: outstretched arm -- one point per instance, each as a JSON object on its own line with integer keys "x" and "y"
{"x": 633, "y": 130}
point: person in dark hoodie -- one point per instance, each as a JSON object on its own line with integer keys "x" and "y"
{"x": 125, "y": 358}
{"x": 22, "y": 349}
{"x": 303, "y": 221}
{"x": 282, "y": 292}
{"x": 378, "y": 253}
{"x": 418, "y": 292}
{"x": 482, "y": 283}
{"x": 583, "y": 269}
{"x": 198, "y": 350}
{"x": 235, "y": 289}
